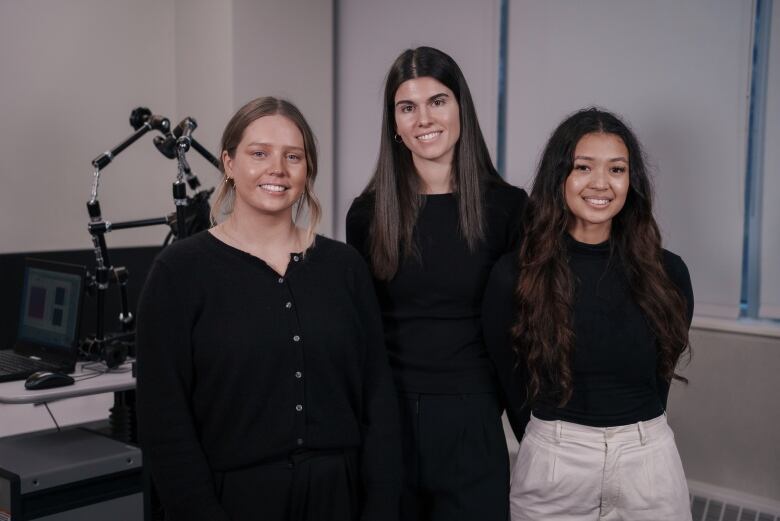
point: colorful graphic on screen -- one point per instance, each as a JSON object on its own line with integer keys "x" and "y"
{"x": 49, "y": 311}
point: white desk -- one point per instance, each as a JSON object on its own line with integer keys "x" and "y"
{"x": 14, "y": 392}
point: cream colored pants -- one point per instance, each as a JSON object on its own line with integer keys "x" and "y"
{"x": 566, "y": 472}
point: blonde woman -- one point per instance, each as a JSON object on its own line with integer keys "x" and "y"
{"x": 264, "y": 390}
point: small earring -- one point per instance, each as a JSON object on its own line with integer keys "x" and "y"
{"x": 398, "y": 139}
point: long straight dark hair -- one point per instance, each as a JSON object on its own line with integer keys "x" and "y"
{"x": 543, "y": 334}
{"x": 395, "y": 184}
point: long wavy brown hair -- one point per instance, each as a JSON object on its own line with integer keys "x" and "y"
{"x": 543, "y": 335}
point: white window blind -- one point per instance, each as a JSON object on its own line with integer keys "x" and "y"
{"x": 679, "y": 73}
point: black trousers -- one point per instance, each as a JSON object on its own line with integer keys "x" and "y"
{"x": 310, "y": 486}
{"x": 456, "y": 465}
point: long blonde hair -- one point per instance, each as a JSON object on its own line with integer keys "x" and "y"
{"x": 225, "y": 195}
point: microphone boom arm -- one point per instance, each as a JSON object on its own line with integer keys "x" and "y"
{"x": 102, "y": 161}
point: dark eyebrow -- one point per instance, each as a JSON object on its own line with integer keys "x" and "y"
{"x": 614, "y": 159}
{"x": 410, "y": 102}
{"x": 258, "y": 144}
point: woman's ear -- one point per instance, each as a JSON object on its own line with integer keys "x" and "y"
{"x": 227, "y": 163}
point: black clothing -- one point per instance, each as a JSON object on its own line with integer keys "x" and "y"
{"x": 455, "y": 458}
{"x": 239, "y": 366}
{"x": 431, "y": 308}
{"x": 318, "y": 485}
{"x": 615, "y": 380}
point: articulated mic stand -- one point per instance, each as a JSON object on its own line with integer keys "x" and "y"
{"x": 192, "y": 214}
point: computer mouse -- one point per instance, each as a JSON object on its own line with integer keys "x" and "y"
{"x": 47, "y": 380}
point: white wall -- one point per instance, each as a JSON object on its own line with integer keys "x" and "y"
{"x": 72, "y": 72}
{"x": 726, "y": 420}
{"x": 371, "y": 34}
{"x": 204, "y": 75}
{"x": 285, "y": 48}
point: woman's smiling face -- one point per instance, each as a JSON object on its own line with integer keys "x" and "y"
{"x": 269, "y": 166}
{"x": 427, "y": 118}
{"x": 597, "y": 187}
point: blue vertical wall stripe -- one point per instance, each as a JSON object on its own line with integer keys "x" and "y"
{"x": 751, "y": 249}
{"x": 334, "y": 200}
{"x": 503, "y": 37}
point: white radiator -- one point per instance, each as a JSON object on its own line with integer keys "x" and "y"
{"x": 711, "y": 503}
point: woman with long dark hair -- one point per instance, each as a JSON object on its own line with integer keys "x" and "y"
{"x": 431, "y": 223}
{"x": 586, "y": 326}
{"x": 264, "y": 390}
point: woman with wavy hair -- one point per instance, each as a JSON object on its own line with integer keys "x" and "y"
{"x": 431, "y": 223}
{"x": 586, "y": 325}
{"x": 264, "y": 390}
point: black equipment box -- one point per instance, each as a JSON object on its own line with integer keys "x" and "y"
{"x": 70, "y": 475}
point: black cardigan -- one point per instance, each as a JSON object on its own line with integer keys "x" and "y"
{"x": 238, "y": 366}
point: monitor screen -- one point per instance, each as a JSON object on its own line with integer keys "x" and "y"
{"x": 49, "y": 309}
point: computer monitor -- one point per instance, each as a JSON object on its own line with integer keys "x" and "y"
{"x": 50, "y": 309}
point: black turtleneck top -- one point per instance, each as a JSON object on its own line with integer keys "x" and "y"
{"x": 615, "y": 380}
{"x": 431, "y": 307}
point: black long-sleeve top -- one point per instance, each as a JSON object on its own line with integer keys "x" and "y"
{"x": 615, "y": 380}
{"x": 238, "y": 365}
{"x": 431, "y": 307}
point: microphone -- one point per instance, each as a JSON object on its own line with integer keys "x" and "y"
{"x": 183, "y": 133}
{"x": 143, "y": 116}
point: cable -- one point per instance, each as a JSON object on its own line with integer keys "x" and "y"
{"x": 98, "y": 369}
{"x": 102, "y": 369}
{"x": 87, "y": 377}
{"x": 93, "y": 373}
{"x": 52, "y": 416}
